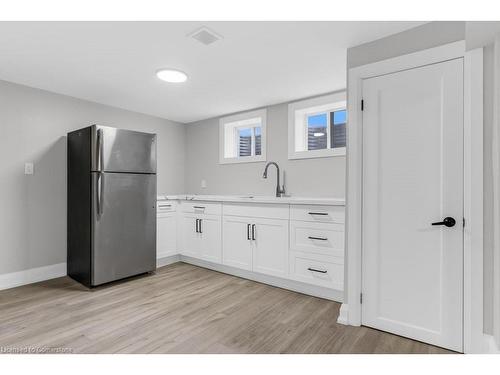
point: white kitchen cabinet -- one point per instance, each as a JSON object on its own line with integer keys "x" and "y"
{"x": 256, "y": 244}
{"x": 319, "y": 238}
{"x": 190, "y": 239}
{"x": 166, "y": 235}
{"x": 201, "y": 234}
{"x": 270, "y": 246}
{"x": 317, "y": 269}
{"x": 237, "y": 245}
{"x": 210, "y": 239}
{"x": 291, "y": 242}
{"x": 166, "y": 229}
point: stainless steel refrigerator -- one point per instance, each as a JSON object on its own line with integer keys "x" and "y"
{"x": 111, "y": 204}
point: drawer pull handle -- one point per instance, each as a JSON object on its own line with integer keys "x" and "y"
{"x": 318, "y": 238}
{"x": 319, "y": 213}
{"x": 199, "y": 207}
{"x": 164, "y": 205}
{"x": 315, "y": 270}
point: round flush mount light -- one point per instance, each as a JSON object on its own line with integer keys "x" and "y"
{"x": 171, "y": 75}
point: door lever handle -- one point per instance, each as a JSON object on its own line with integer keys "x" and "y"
{"x": 447, "y": 221}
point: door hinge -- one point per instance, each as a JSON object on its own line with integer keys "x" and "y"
{"x": 362, "y": 105}
{"x": 361, "y": 298}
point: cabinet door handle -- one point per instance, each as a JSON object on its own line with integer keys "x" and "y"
{"x": 196, "y": 226}
{"x": 248, "y": 232}
{"x": 318, "y": 238}
{"x": 316, "y": 270}
{"x": 319, "y": 213}
{"x": 253, "y": 232}
{"x": 201, "y": 231}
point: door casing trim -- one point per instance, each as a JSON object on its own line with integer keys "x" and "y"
{"x": 473, "y": 181}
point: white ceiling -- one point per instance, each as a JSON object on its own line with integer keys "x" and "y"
{"x": 114, "y": 63}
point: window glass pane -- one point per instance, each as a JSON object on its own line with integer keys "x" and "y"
{"x": 258, "y": 140}
{"x": 338, "y": 128}
{"x": 245, "y": 142}
{"x": 316, "y": 131}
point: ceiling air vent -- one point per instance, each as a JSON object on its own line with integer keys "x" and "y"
{"x": 205, "y": 36}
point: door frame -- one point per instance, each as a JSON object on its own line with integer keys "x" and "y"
{"x": 350, "y": 313}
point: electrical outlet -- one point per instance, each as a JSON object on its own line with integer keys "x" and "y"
{"x": 28, "y": 168}
{"x": 203, "y": 184}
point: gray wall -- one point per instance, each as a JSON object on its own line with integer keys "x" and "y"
{"x": 476, "y": 34}
{"x": 323, "y": 177}
{"x": 33, "y": 125}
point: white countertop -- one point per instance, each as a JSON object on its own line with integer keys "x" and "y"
{"x": 256, "y": 199}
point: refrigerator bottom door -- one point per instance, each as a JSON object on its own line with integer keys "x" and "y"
{"x": 123, "y": 225}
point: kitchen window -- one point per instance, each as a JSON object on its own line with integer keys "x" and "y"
{"x": 242, "y": 137}
{"x": 317, "y": 127}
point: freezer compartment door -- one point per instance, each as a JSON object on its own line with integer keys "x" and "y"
{"x": 123, "y": 225}
{"x": 118, "y": 150}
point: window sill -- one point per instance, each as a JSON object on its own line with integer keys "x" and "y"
{"x": 317, "y": 154}
{"x": 246, "y": 159}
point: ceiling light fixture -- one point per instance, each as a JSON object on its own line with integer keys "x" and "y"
{"x": 171, "y": 75}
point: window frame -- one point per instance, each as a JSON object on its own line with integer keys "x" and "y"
{"x": 239, "y": 122}
{"x": 331, "y": 103}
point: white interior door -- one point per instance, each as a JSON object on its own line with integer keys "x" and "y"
{"x": 412, "y": 177}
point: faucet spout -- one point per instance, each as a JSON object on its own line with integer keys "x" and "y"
{"x": 280, "y": 190}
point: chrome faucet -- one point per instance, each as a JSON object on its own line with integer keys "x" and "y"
{"x": 280, "y": 190}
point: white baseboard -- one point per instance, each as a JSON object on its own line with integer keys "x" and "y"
{"x": 165, "y": 260}
{"x": 343, "y": 314}
{"x": 32, "y": 275}
{"x": 296, "y": 286}
{"x": 490, "y": 345}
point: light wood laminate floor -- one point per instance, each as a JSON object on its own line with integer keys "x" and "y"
{"x": 183, "y": 309}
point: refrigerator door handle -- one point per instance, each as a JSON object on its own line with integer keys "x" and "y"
{"x": 99, "y": 192}
{"x": 99, "y": 150}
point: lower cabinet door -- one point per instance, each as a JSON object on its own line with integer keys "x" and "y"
{"x": 237, "y": 245}
{"x": 211, "y": 248}
{"x": 166, "y": 235}
{"x": 317, "y": 269}
{"x": 190, "y": 238}
{"x": 270, "y": 241}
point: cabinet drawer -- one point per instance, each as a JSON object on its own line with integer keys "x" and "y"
{"x": 318, "y": 270}
{"x": 271, "y": 211}
{"x": 323, "y": 214}
{"x": 319, "y": 238}
{"x": 200, "y": 207}
{"x": 164, "y": 206}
